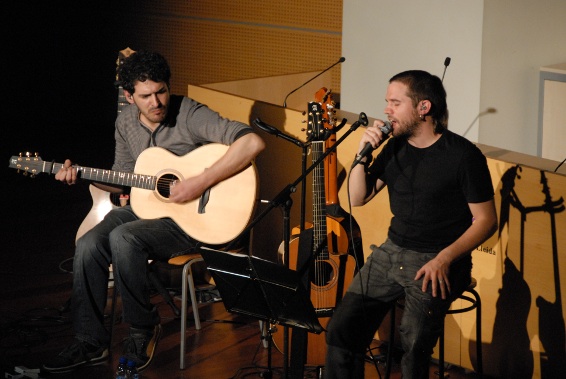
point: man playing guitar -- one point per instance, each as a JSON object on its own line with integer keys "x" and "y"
{"x": 180, "y": 125}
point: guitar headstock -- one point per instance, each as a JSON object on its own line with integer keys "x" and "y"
{"x": 27, "y": 163}
{"x": 324, "y": 97}
{"x": 123, "y": 54}
{"x": 315, "y": 125}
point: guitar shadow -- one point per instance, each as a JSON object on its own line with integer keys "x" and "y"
{"x": 510, "y": 350}
{"x": 509, "y": 353}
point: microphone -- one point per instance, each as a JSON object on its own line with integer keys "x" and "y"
{"x": 368, "y": 148}
{"x": 342, "y": 59}
{"x": 446, "y": 63}
{"x": 276, "y": 132}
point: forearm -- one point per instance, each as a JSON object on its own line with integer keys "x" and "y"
{"x": 483, "y": 227}
{"x": 358, "y": 184}
{"x": 237, "y": 157}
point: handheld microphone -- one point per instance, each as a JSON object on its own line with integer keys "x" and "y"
{"x": 342, "y": 59}
{"x": 368, "y": 148}
{"x": 446, "y": 63}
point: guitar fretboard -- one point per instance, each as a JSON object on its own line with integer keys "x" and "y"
{"x": 112, "y": 177}
{"x": 319, "y": 200}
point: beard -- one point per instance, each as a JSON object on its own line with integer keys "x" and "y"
{"x": 157, "y": 117}
{"x": 408, "y": 128}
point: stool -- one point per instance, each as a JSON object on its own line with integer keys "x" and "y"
{"x": 475, "y": 303}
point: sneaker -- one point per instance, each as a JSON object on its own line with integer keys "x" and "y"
{"x": 78, "y": 354}
{"x": 141, "y": 344}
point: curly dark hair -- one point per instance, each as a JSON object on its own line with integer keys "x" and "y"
{"x": 142, "y": 66}
{"x": 424, "y": 86}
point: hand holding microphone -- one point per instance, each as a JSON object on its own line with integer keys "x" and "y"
{"x": 385, "y": 129}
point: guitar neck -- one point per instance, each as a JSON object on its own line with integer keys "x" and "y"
{"x": 107, "y": 176}
{"x": 319, "y": 200}
{"x": 122, "y": 102}
{"x": 123, "y": 54}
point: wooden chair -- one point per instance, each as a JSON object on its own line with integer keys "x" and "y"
{"x": 188, "y": 289}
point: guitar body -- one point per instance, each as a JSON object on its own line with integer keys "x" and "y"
{"x": 347, "y": 233}
{"x": 331, "y": 275}
{"x": 229, "y": 203}
{"x": 101, "y": 205}
{"x": 329, "y": 278}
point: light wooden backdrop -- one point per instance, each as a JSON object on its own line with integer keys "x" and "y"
{"x": 520, "y": 270}
{"x": 221, "y": 40}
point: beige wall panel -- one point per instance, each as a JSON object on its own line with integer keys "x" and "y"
{"x": 314, "y": 14}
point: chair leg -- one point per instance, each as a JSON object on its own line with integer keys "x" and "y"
{"x": 186, "y": 269}
{"x": 389, "y": 360}
{"x": 479, "y": 358}
{"x": 194, "y": 302}
{"x": 188, "y": 285}
{"x": 441, "y": 352}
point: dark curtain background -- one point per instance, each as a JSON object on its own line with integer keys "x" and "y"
{"x": 58, "y": 99}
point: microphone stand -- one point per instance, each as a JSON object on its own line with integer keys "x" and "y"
{"x": 561, "y": 163}
{"x": 286, "y": 217}
{"x": 283, "y": 198}
{"x": 342, "y": 59}
{"x": 304, "y": 146}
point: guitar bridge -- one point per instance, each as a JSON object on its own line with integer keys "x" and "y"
{"x": 324, "y": 312}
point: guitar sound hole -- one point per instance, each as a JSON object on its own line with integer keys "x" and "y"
{"x": 322, "y": 273}
{"x": 164, "y": 184}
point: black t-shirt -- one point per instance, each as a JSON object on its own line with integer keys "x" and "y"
{"x": 429, "y": 189}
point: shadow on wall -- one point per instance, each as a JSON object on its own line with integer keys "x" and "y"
{"x": 509, "y": 354}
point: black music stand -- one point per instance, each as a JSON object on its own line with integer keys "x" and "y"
{"x": 262, "y": 289}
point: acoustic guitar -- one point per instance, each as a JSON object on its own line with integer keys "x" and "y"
{"x": 217, "y": 217}
{"x": 333, "y": 267}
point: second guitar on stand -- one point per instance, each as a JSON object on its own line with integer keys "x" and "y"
{"x": 325, "y": 245}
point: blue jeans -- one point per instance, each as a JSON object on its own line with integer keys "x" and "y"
{"x": 388, "y": 274}
{"x": 128, "y": 243}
